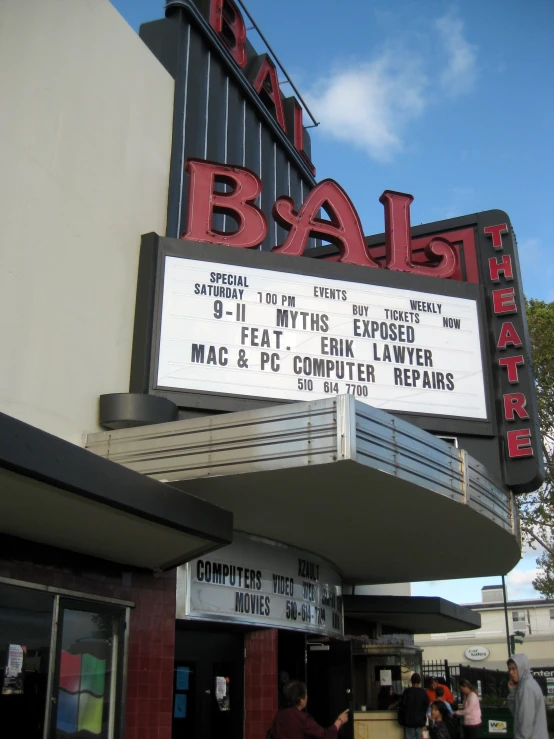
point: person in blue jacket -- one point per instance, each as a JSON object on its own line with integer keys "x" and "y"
{"x": 525, "y": 700}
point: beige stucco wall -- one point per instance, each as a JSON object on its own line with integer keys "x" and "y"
{"x": 85, "y": 135}
{"x": 538, "y": 645}
{"x": 539, "y": 651}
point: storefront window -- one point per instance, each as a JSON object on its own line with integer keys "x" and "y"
{"x": 25, "y": 635}
{"x": 380, "y": 679}
{"x": 86, "y": 676}
{"x": 69, "y": 680}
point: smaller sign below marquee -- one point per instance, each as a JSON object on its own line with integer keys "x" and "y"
{"x": 256, "y": 581}
{"x": 476, "y": 654}
{"x": 264, "y": 333}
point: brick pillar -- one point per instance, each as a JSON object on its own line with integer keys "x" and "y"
{"x": 149, "y": 707}
{"x": 260, "y": 682}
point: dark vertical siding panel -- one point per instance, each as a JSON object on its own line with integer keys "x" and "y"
{"x": 252, "y": 141}
{"x": 295, "y": 187}
{"x": 268, "y": 192}
{"x": 235, "y": 126}
{"x": 217, "y": 116}
{"x": 195, "y": 113}
{"x": 281, "y": 188}
{"x": 220, "y": 125}
{"x": 234, "y": 133}
{"x": 252, "y": 128}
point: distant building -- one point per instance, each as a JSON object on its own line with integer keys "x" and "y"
{"x": 534, "y": 617}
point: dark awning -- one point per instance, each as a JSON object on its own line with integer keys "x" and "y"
{"x": 56, "y": 493}
{"x": 415, "y": 614}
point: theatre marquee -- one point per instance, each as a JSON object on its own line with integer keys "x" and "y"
{"x": 265, "y": 333}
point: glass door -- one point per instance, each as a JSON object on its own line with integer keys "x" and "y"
{"x": 87, "y": 677}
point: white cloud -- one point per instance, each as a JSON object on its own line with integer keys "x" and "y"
{"x": 519, "y": 583}
{"x": 369, "y": 103}
{"x": 524, "y": 577}
{"x": 458, "y": 75}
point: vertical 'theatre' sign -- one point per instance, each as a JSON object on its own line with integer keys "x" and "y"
{"x": 510, "y": 356}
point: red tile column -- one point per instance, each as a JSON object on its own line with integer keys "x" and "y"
{"x": 151, "y": 657}
{"x": 260, "y": 682}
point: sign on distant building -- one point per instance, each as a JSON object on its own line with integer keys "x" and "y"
{"x": 477, "y": 654}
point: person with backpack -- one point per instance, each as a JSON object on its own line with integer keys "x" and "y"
{"x": 412, "y": 711}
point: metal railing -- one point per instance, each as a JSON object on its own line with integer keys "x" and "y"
{"x": 490, "y": 683}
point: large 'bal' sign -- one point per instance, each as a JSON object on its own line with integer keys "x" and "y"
{"x": 426, "y": 322}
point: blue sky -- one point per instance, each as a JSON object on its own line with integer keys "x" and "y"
{"x": 451, "y": 102}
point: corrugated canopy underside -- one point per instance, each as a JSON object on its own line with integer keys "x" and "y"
{"x": 337, "y": 477}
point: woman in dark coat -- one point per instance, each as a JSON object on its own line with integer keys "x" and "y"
{"x": 294, "y": 723}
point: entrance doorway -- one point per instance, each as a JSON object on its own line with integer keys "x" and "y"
{"x": 329, "y": 680}
{"x": 208, "y": 699}
{"x": 291, "y": 661}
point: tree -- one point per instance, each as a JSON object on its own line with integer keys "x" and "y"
{"x": 537, "y": 509}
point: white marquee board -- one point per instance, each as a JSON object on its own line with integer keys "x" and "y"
{"x": 270, "y": 334}
{"x": 265, "y": 583}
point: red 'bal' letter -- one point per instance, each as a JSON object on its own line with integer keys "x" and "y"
{"x": 264, "y": 80}
{"x": 228, "y": 23}
{"x": 343, "y": 229}
{"x": 204, "y": 200}
{"x": 399, "y": 240}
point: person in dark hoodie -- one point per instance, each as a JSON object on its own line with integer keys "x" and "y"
{"x": 525, "y": 700}
{"x": 412, "y": 711}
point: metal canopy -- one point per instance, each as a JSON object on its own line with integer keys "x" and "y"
{"x": 56, "y": 493}
{"x": 339, "y": 478}
{"x": 415, "y": 614}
